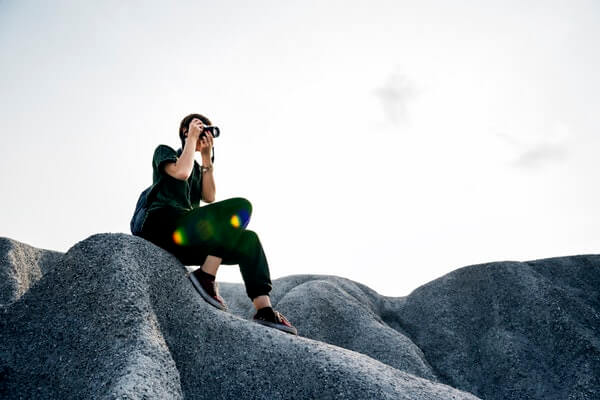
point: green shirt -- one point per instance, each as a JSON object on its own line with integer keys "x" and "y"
{"x": 172, "y": 192}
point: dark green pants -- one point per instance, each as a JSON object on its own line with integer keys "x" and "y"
{"x": 216, "y": 229}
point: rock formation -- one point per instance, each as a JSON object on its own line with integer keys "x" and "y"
{"x": 116, "y": 317}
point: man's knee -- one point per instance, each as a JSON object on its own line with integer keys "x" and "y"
{"x": 244, "y": 204}
{"x": 251, "y": 235}
{"x": 243, "y": 209}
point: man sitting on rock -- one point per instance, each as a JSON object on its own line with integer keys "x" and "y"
{"x": 210, "y": 235}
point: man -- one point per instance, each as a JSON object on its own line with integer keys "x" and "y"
{"x": 210, "y": 235}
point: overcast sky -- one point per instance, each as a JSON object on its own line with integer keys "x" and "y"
{"x": 388, "y": 142}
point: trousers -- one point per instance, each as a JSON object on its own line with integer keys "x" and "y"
{"x": 217, "y": 229}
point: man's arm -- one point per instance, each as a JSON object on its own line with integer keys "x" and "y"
{"x": 185, "y": 163}
{"x": 208, "y": 182}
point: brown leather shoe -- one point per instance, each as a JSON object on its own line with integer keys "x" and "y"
{"x": 208, "y": 289}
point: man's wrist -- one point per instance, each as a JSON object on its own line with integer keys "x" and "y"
{"x": 206, "y": 162}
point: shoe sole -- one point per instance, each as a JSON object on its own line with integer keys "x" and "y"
{"x": 209, "y": 299}
{"x": 281, "y": 327}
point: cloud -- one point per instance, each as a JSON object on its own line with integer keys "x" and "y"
{"x": 539, "y": 152}
{"x": 395, "y": 94}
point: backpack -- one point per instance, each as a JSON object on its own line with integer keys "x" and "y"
{"x": 139, "y": 215}
{"x": 141, "y": 208}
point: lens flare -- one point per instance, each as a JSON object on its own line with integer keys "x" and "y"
{"x": 178, "y": 237}
{"x": 240, "y": 219}
{"x": 191, "y": 231}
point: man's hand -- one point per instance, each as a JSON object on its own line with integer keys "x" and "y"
{"x": 205, "y": 145}
{"x": 196, "y": 128}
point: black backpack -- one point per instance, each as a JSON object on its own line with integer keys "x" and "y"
{"x": 140, "y": 210}
{"x": 139, "y": 215}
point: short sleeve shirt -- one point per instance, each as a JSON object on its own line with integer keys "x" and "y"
{"x": 182, "y": 195}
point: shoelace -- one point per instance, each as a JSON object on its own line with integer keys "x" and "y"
{"x": 282, "y": 319}
{"x": 279, "y": 318}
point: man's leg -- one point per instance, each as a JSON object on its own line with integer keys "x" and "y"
{"x": 216, "y": 222}
{"x": 218, "y": 230}
{"x": 249, "y": 254}
{"x": 211, "y": 264}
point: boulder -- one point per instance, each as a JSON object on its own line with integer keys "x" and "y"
{"x": 116, "y": 317}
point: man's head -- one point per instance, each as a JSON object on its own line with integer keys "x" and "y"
{"x": 185, "y": 125}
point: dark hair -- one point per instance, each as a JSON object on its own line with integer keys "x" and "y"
{"x": 185, "y": 125}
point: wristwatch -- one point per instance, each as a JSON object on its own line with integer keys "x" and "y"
{"x": 204, "y": 169}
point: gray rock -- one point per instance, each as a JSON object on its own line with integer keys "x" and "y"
{"x": 336, "y": 310}
{"x": 21, "y": 266}
{"x": 510, "y": 330}
{"x": 117, "y": 318}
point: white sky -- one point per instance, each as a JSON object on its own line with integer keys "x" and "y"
{"x": 388, "y": 142}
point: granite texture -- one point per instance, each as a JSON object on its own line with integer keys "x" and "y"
{"x": 22, "y": 265}
{"x": 116, "y": 317}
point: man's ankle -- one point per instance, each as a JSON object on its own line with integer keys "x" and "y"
{"x": 261, "y": 301}
{"x": 206, "y": 274}
{"x": 266, "y": 312}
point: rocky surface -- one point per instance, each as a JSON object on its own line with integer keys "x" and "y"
{"x": 116, "y": 317}
{"x": 22, "y": 265}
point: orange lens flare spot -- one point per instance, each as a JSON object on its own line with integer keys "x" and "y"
{"x": 177, "y": 237}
